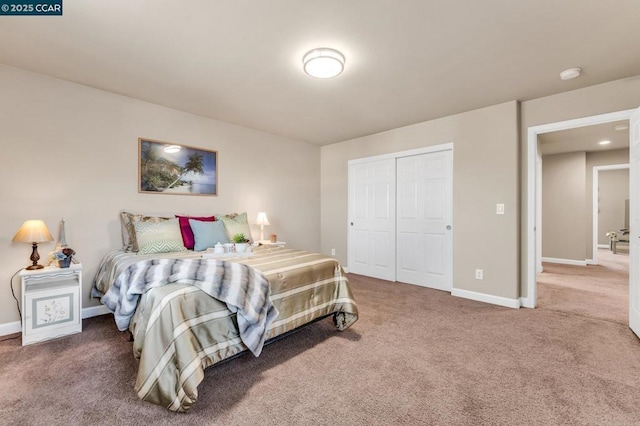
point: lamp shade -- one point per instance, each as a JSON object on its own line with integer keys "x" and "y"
{"x": 33, "y": 231}
{"x": 261, "y": 219}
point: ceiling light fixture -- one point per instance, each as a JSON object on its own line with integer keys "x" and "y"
{"x": 570, "y": 73}
{"x": 323, "y": 63}
{"x": 604, "y": 142}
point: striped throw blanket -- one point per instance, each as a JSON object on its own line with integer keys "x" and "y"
{"x": 245, "y": 291}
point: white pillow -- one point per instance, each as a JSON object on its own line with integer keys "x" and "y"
{"x": 159, "y": 237}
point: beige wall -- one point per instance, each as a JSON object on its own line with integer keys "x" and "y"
{"x": 600, "y": 99}
{"x": 485, "y": 172}
{"x": 72, "y": 151}
{"x": 568, "y": 180}
{"x": 600, "y": 158}
{"x": 613, "y": 191}
{"x": 563, "y": 188}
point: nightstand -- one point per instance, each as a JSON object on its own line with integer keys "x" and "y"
{"x": 51, "y": 303}
{"x": 268, "y": 243}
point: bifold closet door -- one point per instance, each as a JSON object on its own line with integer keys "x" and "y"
{"x": 372, "y": 207}
{"x": 424, "y": 218}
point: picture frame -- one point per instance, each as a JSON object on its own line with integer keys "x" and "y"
{"x": 176, "y": 169}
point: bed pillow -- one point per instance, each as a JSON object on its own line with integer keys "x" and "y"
{"x": 207, "y": 234}
{"x": 185, "y": 228}
{"x": 236, "y": 224}
{"x": 127, "y": 221}
{"x": 159, "y": 237}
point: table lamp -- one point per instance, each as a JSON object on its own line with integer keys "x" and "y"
{"x": 34, "y": 232}
{"x": 262, "y": 220}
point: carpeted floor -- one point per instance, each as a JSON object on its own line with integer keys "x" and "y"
{"x": 415, "y": 357}
{"x": 597, "y": 291}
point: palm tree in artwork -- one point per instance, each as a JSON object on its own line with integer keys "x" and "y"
{"x": 194, "y": 165}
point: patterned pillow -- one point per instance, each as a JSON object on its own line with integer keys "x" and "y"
{"x": 236, "y": 224}
{"x": 127, "y": 221}
{"x": 207, "y": 234}
{"x": 187, "y": 232}
{"x": 159, "y": 237}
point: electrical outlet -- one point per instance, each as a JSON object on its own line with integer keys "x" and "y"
{"x": 479, "y": 274}
{"x": 499, "y": 208}
{"x": 333, "y": 252}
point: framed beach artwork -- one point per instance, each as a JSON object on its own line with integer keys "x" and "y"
{"x": 169, "y": 168}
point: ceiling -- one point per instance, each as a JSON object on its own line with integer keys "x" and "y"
{"x": 585, "y": 139}
{"x": 407, "y": 61}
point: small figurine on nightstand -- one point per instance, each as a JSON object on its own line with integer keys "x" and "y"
{"x": 64, "y": 257}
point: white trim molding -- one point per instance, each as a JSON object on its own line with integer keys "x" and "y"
{"x": 16, "y": 326}
{"x": 534, "y": 197}
{"x": 486, "y": 298}
{"x": 565, "y": 261}
{"x": 392, "y": 155}
{"x": 595, "y": 196}
{"x": 94, "y": 311}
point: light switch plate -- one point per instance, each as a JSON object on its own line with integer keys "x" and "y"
{"x": 499, "y": 208}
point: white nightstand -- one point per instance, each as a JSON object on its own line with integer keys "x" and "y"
{"x": 268, "y": 243}
{"x": 51, "y": 303}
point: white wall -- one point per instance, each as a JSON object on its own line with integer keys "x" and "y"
{"x": 485, "y": 172}
{"x": 69, "y": 151}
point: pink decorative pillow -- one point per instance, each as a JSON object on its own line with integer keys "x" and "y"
{"x": 185, "y": 228}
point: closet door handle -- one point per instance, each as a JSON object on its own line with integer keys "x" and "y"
{"x": 448, "y": 227}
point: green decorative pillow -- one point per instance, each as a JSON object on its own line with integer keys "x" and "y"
{"x": 236, "y": 224}
{"x": 127, "y": 222}
{"x": 159, "y": 237}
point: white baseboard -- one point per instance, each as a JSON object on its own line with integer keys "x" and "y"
{"x": 10, "y": 328}
{"x": 591, "y": 262}
{"x": 94, "y": 311}
{"x": 565, "y": 261}
{"x": 16, "y": 326}
{"x": 604, "y": 246}
{"x": 527, "y": 302}
{"x": 346, "y": 270}
{"x": 486, "y": 298}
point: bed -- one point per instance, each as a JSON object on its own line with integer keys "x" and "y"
{"x": 179, "y": 329}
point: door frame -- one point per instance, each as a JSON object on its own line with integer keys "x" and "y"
{"x": 534, "y": 200}
{"x": 395, "y": 155}
{"x": 595, "y": 180}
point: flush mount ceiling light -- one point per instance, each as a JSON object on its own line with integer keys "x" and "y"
{"x": 570, "y": 74}
{"x": 604, "y": 142}
{"x": 323, "y": 63}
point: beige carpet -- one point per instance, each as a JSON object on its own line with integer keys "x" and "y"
{"x": 416, "y": 357}
{"x": 598, "y": 291}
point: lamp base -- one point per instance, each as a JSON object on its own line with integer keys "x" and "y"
{"x": 32, "y": 267}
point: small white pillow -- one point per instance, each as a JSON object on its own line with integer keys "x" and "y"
{"x": 159, "y": 237}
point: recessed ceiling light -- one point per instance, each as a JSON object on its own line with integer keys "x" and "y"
{"x": 620, "y": 127}
{"x": 604, "y": 142}
{"x": 570, "y": 73}
{"x": 323, "y": 63}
